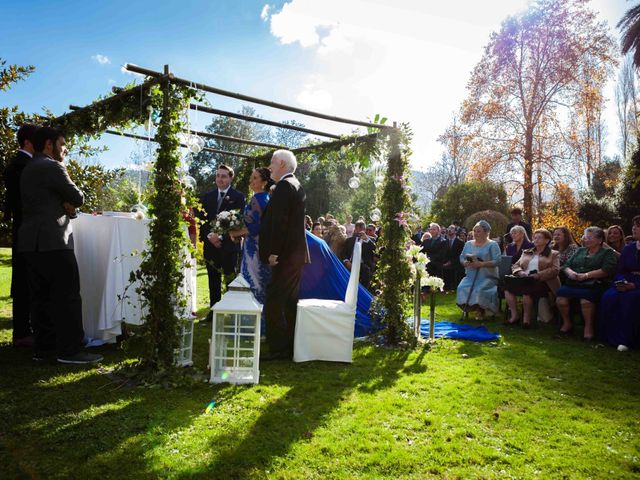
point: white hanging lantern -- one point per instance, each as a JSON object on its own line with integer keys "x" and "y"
{"x": 354, "y": 182}
{"x": 234, "y": 351}
{"x": 375, "y": 215}
{"x": 378, "y": 181}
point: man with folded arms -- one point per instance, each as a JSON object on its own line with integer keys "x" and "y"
{"x": 45, "y": 238}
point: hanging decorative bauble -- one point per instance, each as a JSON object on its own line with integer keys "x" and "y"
{"x": 196, "y": 144}
{"x": 378, "y": 181}
{"x": 354, "y": 182}
{"x": 189, "y": 182}
{"x": 375, "y": 215}
{"x": 140, "y": 211}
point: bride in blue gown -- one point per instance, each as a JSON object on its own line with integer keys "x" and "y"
{"x": 325, "y": 277}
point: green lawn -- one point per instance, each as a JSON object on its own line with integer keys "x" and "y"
{"x": 530, "y": 406}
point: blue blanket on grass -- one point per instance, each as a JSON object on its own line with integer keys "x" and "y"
{"x": 457, "y": 331}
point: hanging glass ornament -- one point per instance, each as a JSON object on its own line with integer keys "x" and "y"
{"x": 189, "y": 182}
{"x": 196, "y": 144}
{"x": 375, "y": 215}
{"x": 354, "y": 182}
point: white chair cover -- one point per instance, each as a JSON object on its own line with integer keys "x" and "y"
{"x": 324, "y": 328}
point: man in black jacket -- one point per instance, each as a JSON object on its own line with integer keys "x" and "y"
{"x": 45, "y": 237}
{"x": 453, "y": 270}
{"x": 436, "y": 248}
{"x": 220, "y": 253}
{"x": 283, "y": 245}
{"x": 367, "y": 263}
{"x": 22, "y": 327}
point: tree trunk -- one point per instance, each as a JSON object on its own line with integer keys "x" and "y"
{"x": 527, "y": 185}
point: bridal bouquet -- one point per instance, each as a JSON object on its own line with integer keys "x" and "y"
{"x": 226, "y": 221}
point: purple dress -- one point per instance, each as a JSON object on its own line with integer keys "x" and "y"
{"x": 513, "y": 251}
{"x": 619, "y": 316}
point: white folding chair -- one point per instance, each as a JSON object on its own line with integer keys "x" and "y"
{"x": 324, "y": 328}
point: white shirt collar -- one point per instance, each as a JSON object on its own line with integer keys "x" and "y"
{"x": 24, "y": 151}
{"x": 286, "y": 175}
{"x": 224, "y": 191}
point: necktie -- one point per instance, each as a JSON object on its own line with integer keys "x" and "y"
{"x": 220, "y": 198}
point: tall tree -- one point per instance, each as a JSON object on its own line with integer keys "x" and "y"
{"x": 630, "y": 26}
{"x": 528, "y": 71}
{"x": 627, "y": 108}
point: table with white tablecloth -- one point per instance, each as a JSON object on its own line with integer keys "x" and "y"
{"x": 108, "y": 248}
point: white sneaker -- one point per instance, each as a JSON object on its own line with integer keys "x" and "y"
{"x": 623, "y": 348}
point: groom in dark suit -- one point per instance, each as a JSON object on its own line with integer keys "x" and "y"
{"x": 220, "y": 252}
{"x": 283, "y": 245}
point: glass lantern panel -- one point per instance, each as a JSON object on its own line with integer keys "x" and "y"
{"x": 223, "y": 345}
{"x": 245, "y": 352}
{"x": 246, "y": 341}
{"x": 223, "y": 363}
{"x": 225, "y": 322}
{"x": 245, "y": 363}
{"x": 248, "y": 322}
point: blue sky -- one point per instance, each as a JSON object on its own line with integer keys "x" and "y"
{"x": 406, "y": 59}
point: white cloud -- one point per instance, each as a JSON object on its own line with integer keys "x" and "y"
{"x": 264, "y": 15}
{"x": 101, "y": 59}
{"x": 406, "y": 59}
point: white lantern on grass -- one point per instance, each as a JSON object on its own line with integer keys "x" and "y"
{"x": 184, "y": 354}
{"x": 234, "y": 350}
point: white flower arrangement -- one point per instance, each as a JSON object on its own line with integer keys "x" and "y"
{"x": 226, "y": 221}
{"x": 418, "y": 261}
{"x": 433, "y": 282}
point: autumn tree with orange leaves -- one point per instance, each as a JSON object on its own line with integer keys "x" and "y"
{"x": 532, "y": 72}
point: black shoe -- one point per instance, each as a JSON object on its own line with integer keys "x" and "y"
{"x": 81, "y": 358}
{"x": 43, "y": 355}
{"x": 270, "y": 356}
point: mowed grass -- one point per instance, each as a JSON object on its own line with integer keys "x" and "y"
{"x": 528, "y": 406}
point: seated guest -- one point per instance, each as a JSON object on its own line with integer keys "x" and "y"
{"x": 520, "y": 242}
{"x": 615, "y": 238}
{"x": 316, "y": 229}
{"x": 620, "y": 306}
{"x": 588, "y": 272}
{"x": 480, "y": 257}
{"x": 541, "y": 265}
{"x": 425, "y": 236}
{"x": 349, "y": 226}
{"x": 462, "y": 235}
{"x": 470, "y": 235}
{"x": 367, "y": 262}
{"x": 452, "y": 269}
{"x": 628, "y": 239}
{"x": 516, "y": 219}
{"x": 417, "y": 235}
{"x": 321, "y": 220}
{"x": 564, "y": 243}
{"x": 436, "y": 249}
{"x": 308, "y": 223}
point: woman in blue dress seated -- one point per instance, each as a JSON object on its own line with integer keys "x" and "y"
{"x": 480, "y": 257}
{"x": 588, "y": 272}
{"x": 620, "y": 307}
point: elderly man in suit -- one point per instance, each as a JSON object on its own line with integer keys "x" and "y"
{"x": 453, "y": 271}
{"x": 436, "y": 248}
{"x": 220, "y": 252}
{"x": 45, "y": 237}
{"x": 22, "y": 324}
{"x": 283, "y": 245}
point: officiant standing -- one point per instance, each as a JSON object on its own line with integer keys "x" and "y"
{"x": 283, "y": 246}
{"x": 220, "y": 252}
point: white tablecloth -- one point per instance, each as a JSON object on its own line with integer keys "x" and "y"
{"x": 108, "y": 249}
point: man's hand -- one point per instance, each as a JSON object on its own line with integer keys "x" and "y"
{"x": 347, "y": 263}
{"x": 69, "y": 209}
{"x": 273, "y": 260}
{"x": 215, "y": 240}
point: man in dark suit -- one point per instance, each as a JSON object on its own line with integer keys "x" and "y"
{"x": 453, "y": 270}
{"x": 367, "y": 263}
{"x": 22, "y": 328}
{"x": 516, "y": 219}
{"x": 436, "y": 248}
{"x": 220, "y": 252}
{"x": 283, "y": 245}
{"x": 45, "y": 237}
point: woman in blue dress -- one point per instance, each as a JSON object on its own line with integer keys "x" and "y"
{"x": 620, "y": 305}
{"x": 324, "y": 278}
{"x": 256, "y": 273}
{"x": 480, "y": 257}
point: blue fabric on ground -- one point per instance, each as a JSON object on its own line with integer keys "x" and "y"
{"x": 457, "y": 331}
{"x": 326, "y": 278}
